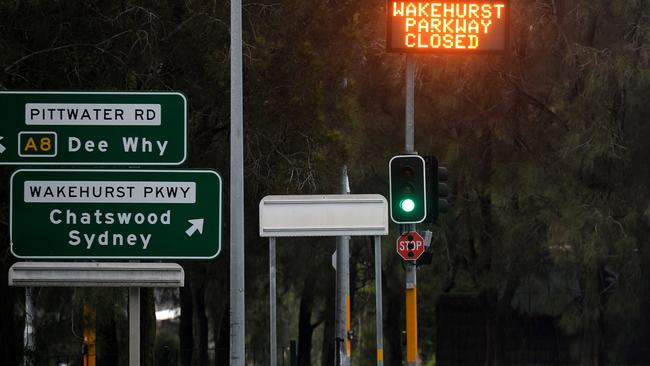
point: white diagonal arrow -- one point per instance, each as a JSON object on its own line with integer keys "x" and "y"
{"x": 2, "y": 148}
{"x": 197, "y": 224}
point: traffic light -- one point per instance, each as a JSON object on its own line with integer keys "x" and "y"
{"x": 407, "y": 189}
{"x": 437, "y": 190}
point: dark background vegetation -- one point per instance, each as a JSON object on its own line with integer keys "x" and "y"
{"x": 543, "y": 257}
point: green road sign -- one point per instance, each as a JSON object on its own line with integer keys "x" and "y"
{"x": 92, "y": 128}
{"x": 115, "y": 214}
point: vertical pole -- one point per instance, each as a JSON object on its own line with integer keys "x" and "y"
{"x": 134, "y": 326}
{"x": 343, "y": 288}
{"x": 409, "y": 134}
{"x": 411, "y": 315}
{"x": 411, "y": 277}
{"x": 28, "y": 334}
{"x": 272, "y": 302}
{"x": 378, "y": 302}
{"x": 237, "y": 284}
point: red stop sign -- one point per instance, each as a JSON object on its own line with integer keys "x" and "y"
{"x": 410, "y": 246}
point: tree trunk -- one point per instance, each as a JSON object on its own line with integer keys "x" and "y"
{"x": 305, "y": 329}
{"x": 593, "y": 321}
{"x": 185, "y": 327}
{"x": 147, "y": 326}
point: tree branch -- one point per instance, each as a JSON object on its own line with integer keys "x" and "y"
{"x": 534, "y": 101}
{"x": 96, "y": 46}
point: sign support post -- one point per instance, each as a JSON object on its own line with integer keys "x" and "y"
{"x": 134, "y": 326}
{"x": 343, "y": 345}
{"x": 273, "y": 302}
{"x": 378, "y": 302}
{"x": 409, "y": 131}
{"x": 28, "y": 336}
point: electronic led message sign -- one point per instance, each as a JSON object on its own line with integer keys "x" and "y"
{"x": 461, "y": 26}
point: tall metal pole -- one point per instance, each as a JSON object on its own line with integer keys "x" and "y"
{"x": 411, "y": 274}
{"x": 343, "y": 345}
{"x": 237, "y": 306}
{"x": 409, "y": 134}
{"x": 272, "y": 303}
{"x": 378, "y": 302}
{"x": 134, "y": 326}
{"x": 411, "y": 315}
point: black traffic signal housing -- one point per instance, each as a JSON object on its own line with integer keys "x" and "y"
{"x": 408, "y": 194}
{"x": 437, "y": 190}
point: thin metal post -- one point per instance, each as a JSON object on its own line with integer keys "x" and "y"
{"x": 28, "y": 334}
{"x": 237, "y": 284}
{"x": 343, "y": 288}
{"x": 378, "y": 302}
{"x": 411, "y": 314}
{"x": 343, "y": 300}
{"x": 134, "y": 326}
{"x": 409, "y": 134}
{"x": 272, "y": 302}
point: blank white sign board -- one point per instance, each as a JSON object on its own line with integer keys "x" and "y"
{"x": 324, "y": 215}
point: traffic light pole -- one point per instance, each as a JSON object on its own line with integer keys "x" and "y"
{"x": 409, "y": 133}
{"x": 411, "y": 274}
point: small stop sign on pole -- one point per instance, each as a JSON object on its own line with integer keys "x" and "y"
{"x": 410, "y": 246}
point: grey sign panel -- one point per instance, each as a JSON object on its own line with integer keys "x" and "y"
{"x": 323, "y": 215}
{"x": 93, "y": 274}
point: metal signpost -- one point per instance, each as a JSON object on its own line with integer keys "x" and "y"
{"x": 115, "y": 214}
{"x": 237, "y": 263}
{"x": 93, "y": 128}
{"x": 324, "y": 215}
{"x": 342, "y": 314}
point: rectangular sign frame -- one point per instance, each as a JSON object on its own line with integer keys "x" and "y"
{"x": 158, "y": 131}
{"x": 323, "y": 215}
{"x": 391, "y": 48}
{"x": 213, "y": 215}
{"x": 96, "y": 274}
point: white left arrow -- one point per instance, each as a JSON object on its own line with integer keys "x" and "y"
{"x": 2, "y": 148}
{"x": 197, "y": 225}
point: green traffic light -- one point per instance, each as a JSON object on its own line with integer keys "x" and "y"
{"x": 407, "y": 205}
